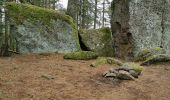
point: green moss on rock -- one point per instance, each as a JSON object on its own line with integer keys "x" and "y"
{"x": 157, "y": 59}
{"x": 134, "y": 66}
{"x": 82, "y": 55}
{"x": 98, "y": 40}
{"x": 106, "y": 60}
{"x": 19, "y": 14}
{"x": 146, "y": 53}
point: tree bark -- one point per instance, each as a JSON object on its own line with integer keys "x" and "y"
{"x": 95, "y": 15}
{"x": 73, "y": 9}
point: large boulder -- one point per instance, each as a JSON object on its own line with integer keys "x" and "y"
{"x": 138, "y": 24}
{"x": 97, "y": 40}
{"x": 40, "y": 30}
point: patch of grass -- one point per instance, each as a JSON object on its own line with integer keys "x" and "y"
{"x": 82, "y": 55}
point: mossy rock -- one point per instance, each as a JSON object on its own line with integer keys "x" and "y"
{"x": 98, "y": 40}
{"x": 146, "y": 53}
{"x": 41, "y": 30}
{"x": 106, "y": 60}
{"x": 21, "y": 12}
{"x": 157, "y": 59}
{"x": 82, "y": 55}
{"x": 136, "y": 67}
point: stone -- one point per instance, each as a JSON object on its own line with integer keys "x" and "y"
{"x": 139, "y": 24}
{"x": 131, "y": 66}
{"x": 110, "y": 75}
{"x": 106, "y": 60}
{"x": 134, "y": 73}
{"x": 97, "y": 40}
{"x": 113, "y": 70}
{"x": 146, "y": 53}
{"x": 124, "y": 75}
{"x": 104, "y": 74}
{"x": 39, "y": 30}
{"x": 113, "y": 61}
{"x": 48, "y": 77}
{"x": 157, "y": 59}
{"x": 125, "y": 68}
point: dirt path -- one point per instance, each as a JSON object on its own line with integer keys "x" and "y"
{"x": 35, "y": 77}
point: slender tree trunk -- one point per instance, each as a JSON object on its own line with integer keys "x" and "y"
{"x": 103, "y": 20}
{"x": 80, "y": 14}
{"x": 83, "y": 14}
{"x": 72, "y": 9}
{"x": 95, "y": 14}
{"x": 54, "y": 2}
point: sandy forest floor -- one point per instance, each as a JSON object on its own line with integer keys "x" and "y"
{"x": 37, "y": 77}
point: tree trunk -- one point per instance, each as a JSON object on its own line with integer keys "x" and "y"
{"x": 72, "y": 9}
{"x": 95, "y": 14}
{"x": 103, "y": 21}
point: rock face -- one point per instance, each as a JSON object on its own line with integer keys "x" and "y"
{"x": 97, "y": 40}
{"x": 39, "y": 30}
{"x": 138, "y": 24}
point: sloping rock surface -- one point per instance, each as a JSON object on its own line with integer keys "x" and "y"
{"x": 39, "y": 30}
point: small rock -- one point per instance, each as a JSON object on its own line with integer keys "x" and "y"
{"x": 110, "y": 75}
{"x": 125, "y": 68}
{"x": 134, "y": 73}
{"x": 49, "y": 77}
{"x": 124, "y": 75}
{"x": 1, "y": 95}
{"x": 112, "y": 70}
{"x": 167, "y": 69}
{"x": 106, "y": 72}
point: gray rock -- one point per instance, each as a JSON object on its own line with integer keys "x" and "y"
{"x": 138, "y": 24}
{"x": 124, "y": 75}
{"x": 48, "y": 77}
{"x": 134, "y": 73}
{"x": 104, "y": 74}
{"x": 111, "y": 75}
{"x": 157, "y": 59}
{"x": 36, "y": 33}
{"x": 112, "y": 70}
{"x": 98, "y": 40}
{"x": 125, "y": 68}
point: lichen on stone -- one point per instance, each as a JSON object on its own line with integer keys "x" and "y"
{"x": 157, "y": 59}
{"x": 136, "y": 67}
{"x": 98, "y": 40}
{"x": 82, "y": 55}
{"x": 41, "y": 30}
{"x": 146, "y": 53}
